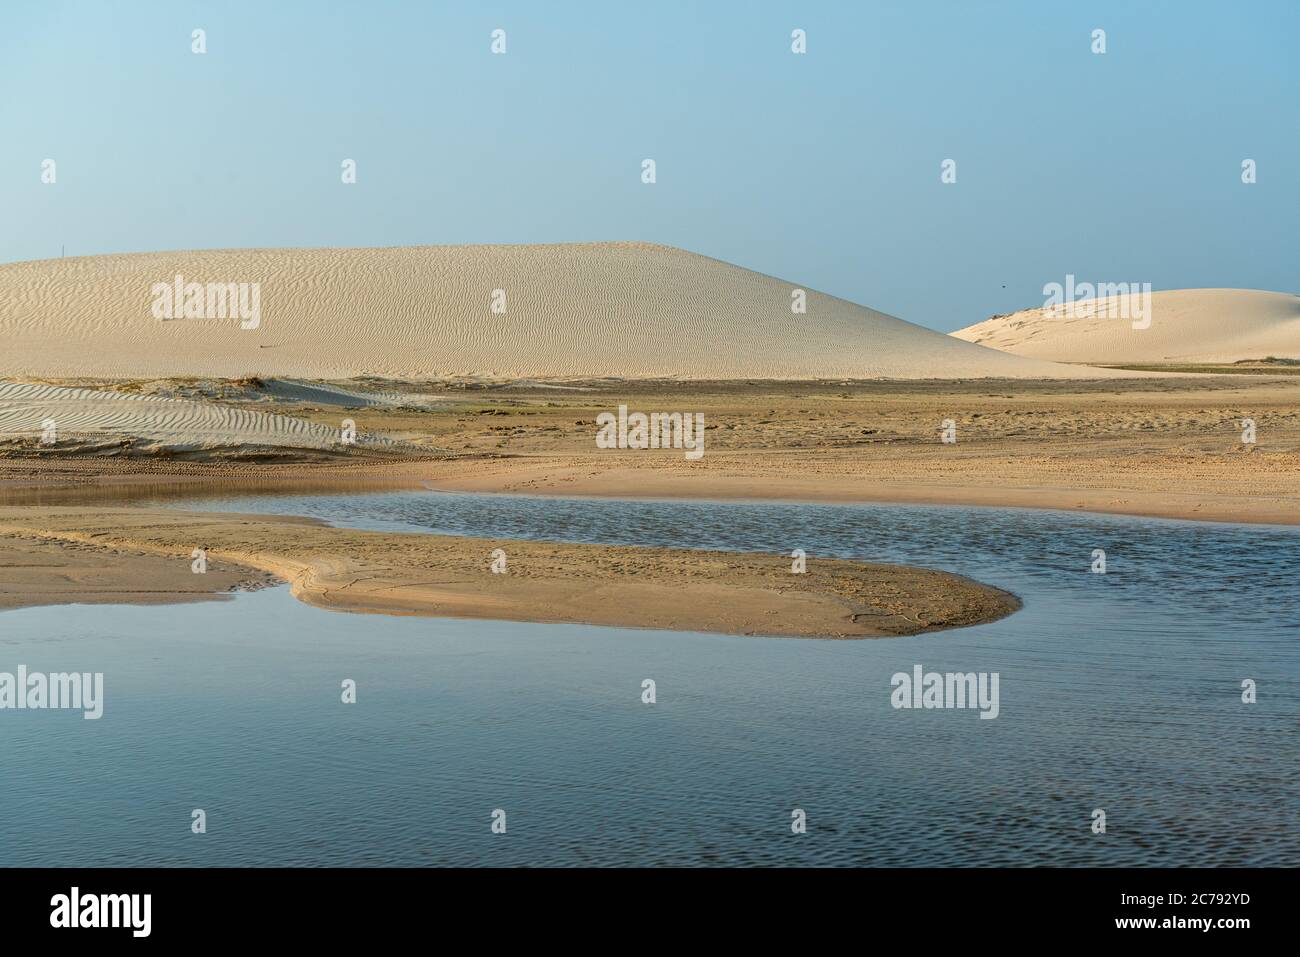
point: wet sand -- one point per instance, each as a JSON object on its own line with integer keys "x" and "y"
{"x": 35, "y": 570}
{"x": 125, "y": 552}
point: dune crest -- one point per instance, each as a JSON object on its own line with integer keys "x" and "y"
{"x": 1187, "y": 325}
{"x": 631, "y": 310}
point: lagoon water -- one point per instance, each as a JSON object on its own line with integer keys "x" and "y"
{"x": 1119, "y": 692}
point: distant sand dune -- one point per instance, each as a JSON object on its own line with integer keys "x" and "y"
{"x": 173, "y": 423}
{"x": 600, "y": 309}
{"x": 1187, "y": 325}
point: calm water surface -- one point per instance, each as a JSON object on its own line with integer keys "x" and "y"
{"x": 1119, "y": 691}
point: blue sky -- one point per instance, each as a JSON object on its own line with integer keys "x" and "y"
{"x": 822, "y": 169}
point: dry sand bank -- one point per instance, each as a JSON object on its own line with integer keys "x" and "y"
{"x": 1166, "y": 448}
{"x": 448, "y": 576}
{"x": 596, "y": 309}
{"x": 1187, "y": 326}
{"x": 840, "y": 480}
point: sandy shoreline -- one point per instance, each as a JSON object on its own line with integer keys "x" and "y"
{"x": 568, "y": 479}
{"x": 447, "y": 576}
{"x": 1157, "y": 448}
{"x": 35, "y": 570}
{"x": 574, "y": 477}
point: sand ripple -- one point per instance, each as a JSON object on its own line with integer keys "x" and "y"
{"x": 173, "y": 423}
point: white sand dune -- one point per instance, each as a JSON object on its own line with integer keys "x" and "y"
{"x": 80, "y": 414}
{"x": 601, "y": 309}
{"x": 1187, "y": 325}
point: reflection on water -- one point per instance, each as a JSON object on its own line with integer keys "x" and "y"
{"x": 1119, "y": 692}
